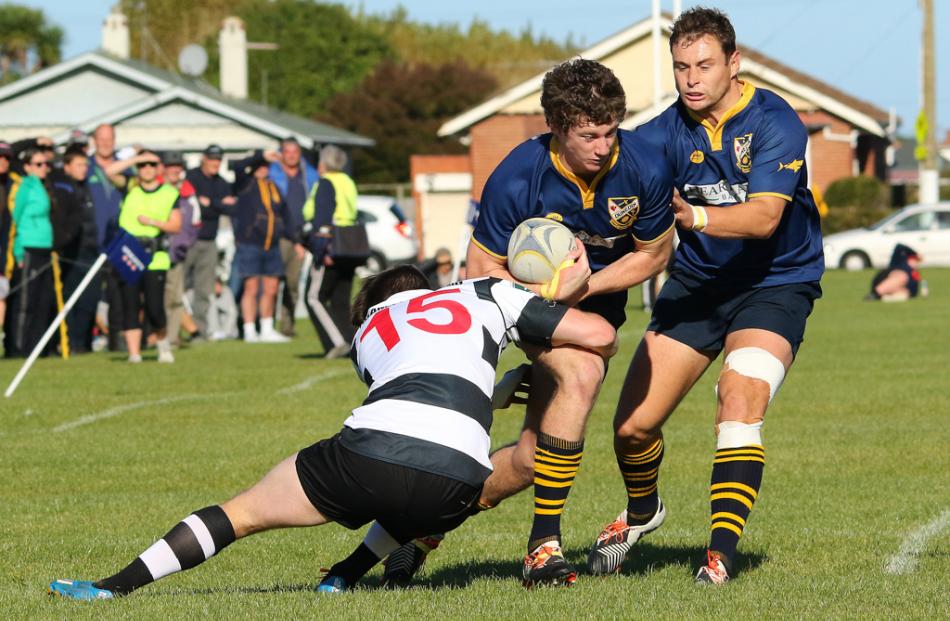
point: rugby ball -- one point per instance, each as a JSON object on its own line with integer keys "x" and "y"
{"x": 537, "y": 248}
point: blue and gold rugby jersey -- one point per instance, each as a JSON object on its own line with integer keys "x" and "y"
{"x": 629, "y": 198}
{"x": 757, "y": 149}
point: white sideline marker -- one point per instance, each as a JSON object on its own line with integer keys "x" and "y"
{"x": 905, "y": 561}
{"x": 121, "y": 409}
{"x": 316, "y": 379}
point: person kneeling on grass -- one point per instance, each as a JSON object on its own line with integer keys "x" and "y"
{"x": 900, "y": 280}
{"x": 413, "y": 457}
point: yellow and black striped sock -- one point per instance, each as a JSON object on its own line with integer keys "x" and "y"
{"x": 640, "y": 471}
{"x": 736, "y": 477}
{"x": 555, "y": 464}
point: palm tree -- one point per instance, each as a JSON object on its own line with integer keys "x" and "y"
{"x": 27, "y": 41}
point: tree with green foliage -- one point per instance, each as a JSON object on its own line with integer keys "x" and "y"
{"x": 27, "y": 42}
{"x": 323, "y": 51}
{"x": 401, "y": 106}
{"x": 508, "y": 57}
{"x": 159, "y": 29}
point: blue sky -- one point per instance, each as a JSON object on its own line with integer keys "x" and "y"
{"x": 867, "y": 49}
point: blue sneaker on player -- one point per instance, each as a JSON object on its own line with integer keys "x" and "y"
{"x": 82, "y": 590}
{"x": 332, "y": 584}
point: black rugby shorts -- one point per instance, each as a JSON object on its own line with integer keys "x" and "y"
{"x": 353, "y": 490}
{"x": 701, "y": 313}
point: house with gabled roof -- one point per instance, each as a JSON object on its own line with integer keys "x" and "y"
{"x": 151, "y": 106}
{"x": 847, "y": 136}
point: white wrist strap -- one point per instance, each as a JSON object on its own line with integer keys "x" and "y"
{"x": 700, "y": 218}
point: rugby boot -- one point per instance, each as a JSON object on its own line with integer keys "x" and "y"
{"x": 512, "y": 382}
{"x": 332, "y": 584}
{"x": 406, "y": 561}
{"x": 715, "y": 571}
{"x": 546, "y": 565}
{"x": 81, "y": 590}
{"x": 613, "y": 543}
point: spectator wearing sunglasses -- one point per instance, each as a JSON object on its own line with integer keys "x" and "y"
{"x": 32, "y": 248}
{"x": 149, "y": 213}
{"x": 42, "y": 144}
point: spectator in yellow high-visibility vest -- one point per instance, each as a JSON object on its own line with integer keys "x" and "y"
{"x": 149, "y": 213}
{"x": 332, "y": 203}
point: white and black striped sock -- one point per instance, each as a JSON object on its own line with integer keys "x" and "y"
{"x": 192, "y": 541}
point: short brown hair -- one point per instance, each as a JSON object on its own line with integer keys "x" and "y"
{"x": 582, "y": 91}
{"x": 73, "y": 152}
{"x": 378, "y": 288}
{"x": 699, "y": 21}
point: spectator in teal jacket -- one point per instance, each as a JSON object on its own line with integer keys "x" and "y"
{"x": 31, "y": 208}
{"x": 32, "y": 248}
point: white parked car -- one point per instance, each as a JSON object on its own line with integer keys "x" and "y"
{"x": 925, "y": 228}
{"x": 392, "y": 238}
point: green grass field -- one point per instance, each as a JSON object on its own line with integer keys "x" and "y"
{"x": 100, "y": 458}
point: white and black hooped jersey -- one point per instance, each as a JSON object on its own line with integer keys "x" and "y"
{"x": 429, "y": 360}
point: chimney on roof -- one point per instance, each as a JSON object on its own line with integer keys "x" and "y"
{"x": 232, "y": 45}
{"x": 115, "y": 34}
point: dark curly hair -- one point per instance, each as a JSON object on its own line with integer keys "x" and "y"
{"x": 378, "y": 288}
{"x": 699, "y": 21}
{"x": 581, "y": 91}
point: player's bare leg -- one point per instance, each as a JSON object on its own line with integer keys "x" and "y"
{"x": 755, "y": 363}
{"x": 277, "y": 501}
{"x": 564, "y": 386}
{"x": 662, "y": 371}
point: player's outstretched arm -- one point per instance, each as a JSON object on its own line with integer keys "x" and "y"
{"x": 756, "y": 218}
{"x": 586, "y": 330}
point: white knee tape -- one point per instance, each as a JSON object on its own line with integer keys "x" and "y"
{"x": 757, "y": 363}
{"x": 733, "y": 434}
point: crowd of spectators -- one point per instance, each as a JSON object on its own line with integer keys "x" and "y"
{"x": 62, "y": 207}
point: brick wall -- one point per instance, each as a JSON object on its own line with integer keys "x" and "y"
{"x": 830, "y": 159}
{"x": 494, "y": 138}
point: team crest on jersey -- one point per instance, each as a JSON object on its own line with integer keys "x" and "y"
{"x": 742, "y": 145}
{"x": 623, "y": 210}
{"x": 697, "y": 157}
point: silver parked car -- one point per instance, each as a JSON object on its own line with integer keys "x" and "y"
{"x": 925, "y": 228}
{"x": 392, "y": 237}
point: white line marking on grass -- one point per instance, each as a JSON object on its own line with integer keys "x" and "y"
{"x": 316, "y": 379}
{"x": 905, "y": 561}
{"x": 122, "y": 409}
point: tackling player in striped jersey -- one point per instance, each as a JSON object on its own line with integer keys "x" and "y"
{"x": 413, "y": 457}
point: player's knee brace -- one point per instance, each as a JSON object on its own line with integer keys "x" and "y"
{"x": 757, "y": 363}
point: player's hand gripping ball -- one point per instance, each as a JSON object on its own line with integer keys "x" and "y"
{"x": 538, "y": 248}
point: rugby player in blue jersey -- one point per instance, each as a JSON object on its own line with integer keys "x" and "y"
{"x": 743, "y": 283}
{"x": 613, "y": 189}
